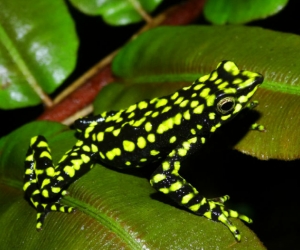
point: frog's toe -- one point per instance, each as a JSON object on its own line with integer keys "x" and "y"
{"x": 50, "y": 207}
{"x": 233, "y": 229}
{"x": 220, "y": 200}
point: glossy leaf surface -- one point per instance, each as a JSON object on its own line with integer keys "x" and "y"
{"x": 116, "y": 12}
{"x": 115, "y": 209}
{"x": 235, "y": 11}
{"x": 182, "y": 54}
{"x": 38, "y": 45}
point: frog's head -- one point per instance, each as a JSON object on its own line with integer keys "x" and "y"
{"x": 231, "y": 89}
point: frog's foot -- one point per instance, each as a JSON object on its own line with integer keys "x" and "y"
{"x": 252, "y": 105}
{"x": 218, "y": 212}
{"x": 229, "y": 213}
{"x": 44, "y": 208}
{"x": 258, "y": 127}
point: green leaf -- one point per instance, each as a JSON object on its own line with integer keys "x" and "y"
{"x": 182, "y": 54}
{"x": 115, "y": 209}
{"x": 236, "y": 11}
{"x": 38, "y": 45}
{"x": 116, "y": 12}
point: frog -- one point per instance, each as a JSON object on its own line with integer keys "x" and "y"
{"x": 163, "y": 130}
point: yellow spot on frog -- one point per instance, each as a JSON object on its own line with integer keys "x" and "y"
{"x": 151, "y": 138}
{"x": 128, "y": 146}
{"x": 199, "y": 86}
{"x": 42, "y": 144}
{"x": 223, "y": 85}
{"x": 55, "y": 190}
{"x": 139, "y": 122}
{"x": 148, "y": 113}
{"x": 158, "y": 178}
{"x": 177, "y": 119}
{"x": 179, "y": 100}
{"x": 141, "y": 142}
{"x": 76, "y": 164}
{"x": 210, "y": 100}
{"x": 45, "y": 154}
{"x": 199, "y": 109}
{"x": 88, "y": 130}
{"x": 161, "y": 102}
{"x": 148, "y": 126}
{"x": 79, "y": 143}
{"x": 182, "y": 152}
{"x": 175, "y": 186}
{"x": 195, "y": 207}
{"x": 184, "y": 103}
{"x": 69, "y": 171}
{"x": 243, "y": 99}
{"x": 50, "y": 171}
{"x": 213, "y": 76}
{"x": 225, "y": 117}
{"x": 86, "y": 148}
{"x": 161, "y": 128}
{"x": 132, "y": 114}
{"x": 45, "y": 183}
{"x": 185, "y": 199}
{"x": 142, "y": 105}
{"x": 237, "y": 108}
{"x": 109, "y": 129}
{"x": 204, "y": 93}
{"x": 131, "y": 108}
{"x": 166, "y": 109}
{"x": 155, "y": 114}
{"x": 232, "y": 68}
{"x": 172, "y": 139}
{"x": 212, "y": 116}
{"x": 85, "y": 158}
{"x": 187, "y": 115}
{"x": 174, "y": 96}
{"x": 154, "y": 152}
{"x": 100, "y": 136}
{"x": 166, "y": 165}
{"x": 45, "y": 193}
{"x": 116, "y": 132}
{"x": 194, "y": 104}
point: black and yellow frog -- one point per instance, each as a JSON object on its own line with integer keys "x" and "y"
{"x": 166, "y": 130}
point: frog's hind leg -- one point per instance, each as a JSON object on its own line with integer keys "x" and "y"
{"x": 39, "y": 172}
{"x": 167, "y": 180}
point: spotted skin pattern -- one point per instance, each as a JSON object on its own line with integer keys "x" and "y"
{"x": 166, "y": 129}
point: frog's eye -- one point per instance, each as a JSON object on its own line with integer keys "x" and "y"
{"x": 226, "y": 104}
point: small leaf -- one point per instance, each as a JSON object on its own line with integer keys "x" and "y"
{"x": 38, "y": 45}
{"x": 115, "y": 12}
{"x": 236, "y": 11}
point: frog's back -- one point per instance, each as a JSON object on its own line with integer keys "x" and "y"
{"x": 150, "y": 129}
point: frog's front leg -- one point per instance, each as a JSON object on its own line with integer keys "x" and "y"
{"x": 43, "y": 183}
{"x": 255, "y": 126}
{"x": 167, "y": 180}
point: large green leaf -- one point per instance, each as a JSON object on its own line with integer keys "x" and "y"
{"x": 38, "y": 45}
{"x": 181, "y": 54}
{"x": 236, "y": 11}
{"x": 115, "y": 210}
{"x": 116, "y": 12}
